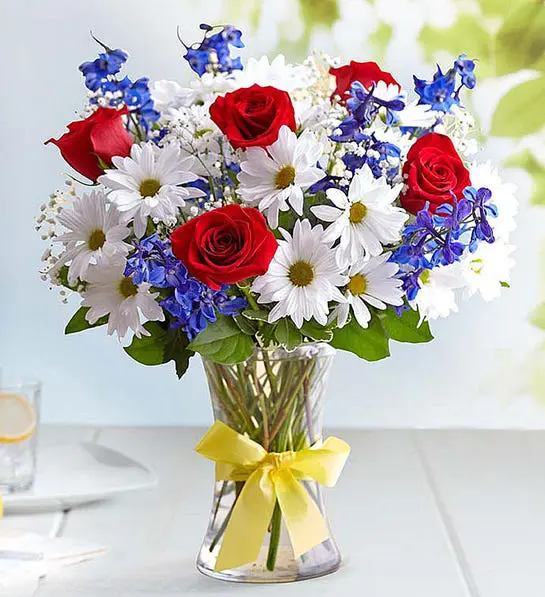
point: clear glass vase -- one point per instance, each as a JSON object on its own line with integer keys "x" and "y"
{"x": 276, "y": 397}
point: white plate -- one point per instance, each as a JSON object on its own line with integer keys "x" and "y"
{"x": 70, "y": 475}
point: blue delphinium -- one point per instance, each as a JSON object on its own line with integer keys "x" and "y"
{"x": 213, "y": 53}
{"x": 433, "y": 240}
{"x": 382, "y": 157}
{"x": 192, "y": 304}
{"x": 101, "y": 78}
{"x": 441, "y": 93}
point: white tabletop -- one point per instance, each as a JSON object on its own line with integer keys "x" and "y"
{"x": 416, "y": 514}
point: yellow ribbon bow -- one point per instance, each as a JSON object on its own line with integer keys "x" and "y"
{"x": 270, "y": 476}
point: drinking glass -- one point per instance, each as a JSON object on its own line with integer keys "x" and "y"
{"x": 19, "y": 422}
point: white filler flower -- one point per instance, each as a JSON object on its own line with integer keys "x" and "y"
{"x": 370, "y": 282}
{"x": 302, "y": 277}
{"x": 112, "y": 293}
{"x": 365, "y": 220}
{"x": 275, "y": 179}
{"x": 94, "y": 231}
{"x": 148, "y": 184}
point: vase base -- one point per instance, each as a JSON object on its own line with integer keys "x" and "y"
{"x": 305, "y": 568}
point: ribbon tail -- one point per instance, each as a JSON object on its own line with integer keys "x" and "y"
{"x": 249, "y": 521}
{"x": 304, "y": 521}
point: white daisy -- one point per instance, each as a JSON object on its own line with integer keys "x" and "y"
{"x": 147, "y": 184}
{"x": 436, "y": 297}
{"x": 275, "y": 179}
{"x": 486, "y": 269}
{"x": 365, "y": 220}
{"x": 275, "y": 73}
{"x": 302, "y": 277}
{"x": 112, "y": 293}
{"x": 503, "y": 197}
{"x": 371, "y": 282}
{"x": 94, "y": 231}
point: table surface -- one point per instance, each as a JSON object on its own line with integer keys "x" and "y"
{"x": 416, "y": 513}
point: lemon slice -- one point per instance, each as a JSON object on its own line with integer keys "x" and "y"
{"x": 17, "y": 418}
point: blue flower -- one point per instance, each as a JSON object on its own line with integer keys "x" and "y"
{"x": 107, "y": 63}
{"x": 439, "y": 93}
{"x": 382, "y": 157}
{"x": 364, "y": 106}
{"x": 466, "y": 68}
{"x": 191, "y": 303}
{"x": 213, "y": 53}
{"x": 482, "y": 209}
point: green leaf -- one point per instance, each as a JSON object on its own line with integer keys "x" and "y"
{"x": 313, "y": 330}
{"x": 260, "y": 315}
{"x": 405, "y": 328}
{"x": 149, "y": 350}
{"x": 520, "y": 42}
{"x": 248, "y": 326}
{"x": 176, "y": 350}
{"x": 381, "y": 37}
{"x": 499, "y": 7}
{"x": 466, "y": 36}
{"x": 537, "y": 317}
{"x": 535, "y": 169}
{"x": 78, "y": 323}
{"x": 505, "y": 285}
{"x": 517, "y": 113}
{"x": 287, "y": 334}
{"x": 369, "y": 343}
{"x": 223, "y": 342}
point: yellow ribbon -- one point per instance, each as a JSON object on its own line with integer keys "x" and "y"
{"x": 268, "y": 477}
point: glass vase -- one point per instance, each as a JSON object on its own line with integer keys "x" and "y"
{"x": 276, "y": 398}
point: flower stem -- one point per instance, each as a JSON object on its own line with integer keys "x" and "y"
{"x": 276, "y": 522}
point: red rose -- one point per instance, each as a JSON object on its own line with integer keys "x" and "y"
{"x": 433, "y": 171}
{"x": 102, "y": 135}
{"x": 253, "y": 116}
{"x": 225, "y": 246}
{"x": 366, "y": 73}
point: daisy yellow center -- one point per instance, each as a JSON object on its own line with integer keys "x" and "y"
{"x": 127, "y": 288}
{"x": 149, "y": 187}
{"x": 425, "y": 276}
{"x": 284, "y": 177}
{"x": 96, "y": 240}
{"x": 357, "y": 212}
{"x": 301, "y": 273}
{"x": 357, "y": 284}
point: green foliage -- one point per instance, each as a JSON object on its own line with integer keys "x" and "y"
{"x": 78, "y": 323}
{"x": 537, "y": 317}
{"x": 381, "y": 37}
{"x": 223, "y": 342}
{"x": 405, "y": 328}
{"x": 149, "y": 350}
{"x": 517, "y": 113}
{"x": 520, "y": 42}
{"x": 319, "y": 12}
{"x": 536, "y": 169}
{"x": 176, "y": 350}
{"x": 287, "y": 334}
{"x": 256, "y": 315}
{"x": 369, "y": 343}
{"x": 316, "y": 332}
{"x": 246, "y": 325}
{"x": 467, "y": 35}
{"x": 499, "y": 7}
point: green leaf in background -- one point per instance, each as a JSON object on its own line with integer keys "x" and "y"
{"x": 319, "y": 12}
{"x": 78, "y": 323}
{"x": 499, "y": 7}
{"x": 527, "y": 161}
{"x": 316, "y": 332}
{"x": 223, "y": 342}
{"x": 537, "y": 317}
{"x": 380, "y": 38}
{"x": 517, "y": 113}
{"x": 466, "y": 36}
{"x": 405, "y": 328}
{"x": 520, "y": 42}
{"x": 149, "y": 350}
{"x": 369, "y": 343}
{"x": 287, "y": 334}
{"x": 175, "y": 349}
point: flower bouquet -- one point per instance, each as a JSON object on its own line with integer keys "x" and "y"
{"x": 263, "y": 217}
